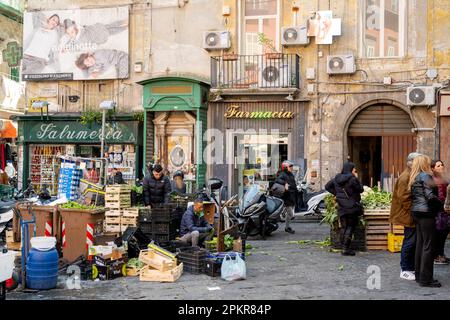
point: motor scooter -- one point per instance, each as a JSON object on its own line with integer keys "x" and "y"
{"x": 259, "y": 213}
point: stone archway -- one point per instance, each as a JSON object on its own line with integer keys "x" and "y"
{"x": 378, "y": 137}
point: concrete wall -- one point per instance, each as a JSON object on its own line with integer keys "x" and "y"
{"x": 165, "y": 36}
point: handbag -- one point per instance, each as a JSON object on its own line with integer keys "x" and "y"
{"x": 357, "y": 203}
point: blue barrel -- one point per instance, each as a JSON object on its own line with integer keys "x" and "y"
{"x": 42, "y": 269}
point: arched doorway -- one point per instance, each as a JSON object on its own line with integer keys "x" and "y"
{"x": 379, "y": 138}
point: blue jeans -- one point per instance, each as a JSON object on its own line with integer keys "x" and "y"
{"x": 408, "y": 253}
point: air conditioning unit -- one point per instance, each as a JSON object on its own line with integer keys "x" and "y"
{"x": 216, "y": 40}
{"x": 294, "y": 36}
{"x": 274, "y": 73}
{"x": 420, "y": 96}
{"x": 341, "y": 64}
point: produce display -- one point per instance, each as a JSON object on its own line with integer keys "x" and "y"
{"x": 376, "y": 199}
{"x": 76, "y": 205}
{"x": 134, "y": 262}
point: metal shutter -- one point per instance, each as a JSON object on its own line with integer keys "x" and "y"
{"x": 381, "y": 120}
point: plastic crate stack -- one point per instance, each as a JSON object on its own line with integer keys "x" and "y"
{"x": 193, "y": 259}
{"x": 69, "y": 180}
{"x": 161, "y": 223}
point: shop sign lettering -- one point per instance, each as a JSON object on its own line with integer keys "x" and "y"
{"x": 48, "y": 132}
{"x": 233, "y": 112}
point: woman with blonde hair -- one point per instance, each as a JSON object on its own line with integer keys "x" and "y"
{"x": 425, "y": 206}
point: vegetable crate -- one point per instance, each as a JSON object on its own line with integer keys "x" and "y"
{"x": 118, "y": 196}
{"x": 377, "y": 228}
{"x": 193, "y": 259}
{"x": 149, "y": 274}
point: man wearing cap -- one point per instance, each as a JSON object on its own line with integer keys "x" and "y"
{"x": 401, "y": 215}
{"x": 156, "y": 187}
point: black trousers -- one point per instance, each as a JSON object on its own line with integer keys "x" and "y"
{"x": 348, "y": 226}
{"x": 425, "y": 248}
{"x": 441, "y": 237}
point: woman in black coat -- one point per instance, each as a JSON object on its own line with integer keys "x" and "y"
{"x": 425, "y": 207}
{"x": 347, "y": 189}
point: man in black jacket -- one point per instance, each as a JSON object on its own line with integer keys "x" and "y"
{"x": 156, "y": 187}
{"x": 287, "y": 179}
{"x": 347, "y": 189}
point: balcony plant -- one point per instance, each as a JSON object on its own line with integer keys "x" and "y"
{"x": 268, "y": 47}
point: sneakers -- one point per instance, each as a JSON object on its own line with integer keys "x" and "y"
{"x": 289, "y": 230}
{"x": 407, "y": 275}
{"x": 440, "y": 260}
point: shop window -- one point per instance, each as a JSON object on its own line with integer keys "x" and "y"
{"x": 383, "y": 28}
{"x": 259, "y": 16}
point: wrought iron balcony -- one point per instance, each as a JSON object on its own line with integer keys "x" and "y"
{"x": 275, "y": 70}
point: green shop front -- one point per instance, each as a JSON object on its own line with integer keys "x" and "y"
{"x": 43, "y": 141}
{"x": 175, "y": 122}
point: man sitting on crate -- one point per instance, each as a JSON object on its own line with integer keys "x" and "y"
{"x": 194, "y": 227}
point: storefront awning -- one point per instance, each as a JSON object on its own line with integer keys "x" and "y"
{"x": 7, "y": 129}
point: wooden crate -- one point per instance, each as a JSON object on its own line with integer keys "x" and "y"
{"x": 130, "y": 212}
{"x": 112, "y": 220}
{"x": 128, "y": 221}
{"x": 9, "y": 236}
{"x": 113, "y": 228}
{"x": 172, "y": 275}
{"x": 117, "y": 204}
{"x": 118, "y": 188}
{"x": 15, "y": 246}
{"x": 156, "y": 260}
{"x": 133, "y": 271}
{"x": 113, "y": 212}
{"x": 377, "y": 228}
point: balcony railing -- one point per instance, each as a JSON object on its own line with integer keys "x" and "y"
{"x": 275, "y": 70}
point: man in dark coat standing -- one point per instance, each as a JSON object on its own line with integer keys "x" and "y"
{"x": 347, "y": 189}
{"x": 156, "y": 187}
{"x": 287, "y": 179}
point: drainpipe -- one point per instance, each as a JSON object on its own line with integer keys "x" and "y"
{"x": 319, "y": 108}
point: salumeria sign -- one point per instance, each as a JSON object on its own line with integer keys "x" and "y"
{"x": 234, "y": 113}
{"x": 52, "y": 132}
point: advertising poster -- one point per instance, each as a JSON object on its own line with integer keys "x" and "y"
{"x": 322, "y": 26}
{"x": 79, "y": 44}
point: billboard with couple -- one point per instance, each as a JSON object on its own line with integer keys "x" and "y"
{"x": 78, "y": 44}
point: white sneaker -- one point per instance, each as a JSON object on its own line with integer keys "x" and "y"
{"x": 407, "y": 275}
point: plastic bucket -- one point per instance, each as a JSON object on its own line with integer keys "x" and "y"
{"x": 43, "y": 243}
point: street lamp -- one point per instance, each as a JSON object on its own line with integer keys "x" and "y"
{"x": 104, "y": 106}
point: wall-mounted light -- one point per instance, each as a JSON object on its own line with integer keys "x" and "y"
{"x": 226, "y": 12}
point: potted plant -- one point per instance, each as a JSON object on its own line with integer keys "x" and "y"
{"x": 268, "y": 47}
{"x": 332, "y": 219}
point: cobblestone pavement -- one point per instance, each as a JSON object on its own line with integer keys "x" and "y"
{"x": 275, "y": 270}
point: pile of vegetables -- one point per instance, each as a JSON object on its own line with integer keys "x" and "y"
{"x": 228, "y": 241}
{"x": 76, "y": 205}
{"x": 376, "y": 199}
{"x": 137, "y": 189}
{"x": 135, "y": 263}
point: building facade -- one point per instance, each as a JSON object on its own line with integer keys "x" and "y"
{"x": 373, "y": 76}
{"x": 317, "y": 82}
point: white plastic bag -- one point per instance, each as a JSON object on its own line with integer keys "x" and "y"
{"x": 233, "y": 269}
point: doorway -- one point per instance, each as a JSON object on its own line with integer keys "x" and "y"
{"x": 257, "y": 159}
{"x": 379, "y": 141}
